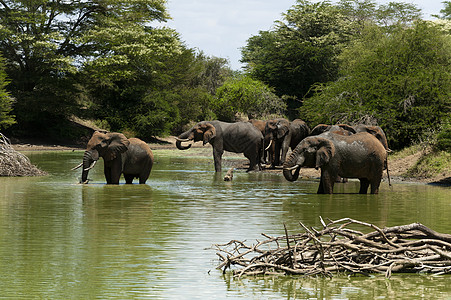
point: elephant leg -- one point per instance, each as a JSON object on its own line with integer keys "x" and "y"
{"x": 320, "y": 187}
{"x": 285, "y": 147}
{"x": 275, "y": 161}
{"x": 144, "y": 176}
{"x": 254, "y": 164}
{"x": 116, "y": 171}
{"x": 107, "y": 173}
{"x": 364, "y": 184}
{"x": 327, "y": 181}
{"x": 129, "y": 178}
{"x": 217, "y": 157}
{"x": 375, "y": 186}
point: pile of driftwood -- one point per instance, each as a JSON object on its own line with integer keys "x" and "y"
{"x": 340, "y": 248}
{"x": 13, "y": 163}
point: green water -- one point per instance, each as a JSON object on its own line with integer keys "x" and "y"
{"x": 62, "y": 240}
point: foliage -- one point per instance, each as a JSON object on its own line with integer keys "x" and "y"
{"x": 399, "y": 79}
{"x": 6, "y": 119}
{"x": 299, "y": 51}
{"x": 446, "y": 11}
{"x": 444, "y": 138}
{"x": 46, "y": 42}
{"x": 302, "y": 49}
{"x": 157, "y": 98}
{"x": 242, "y": 94}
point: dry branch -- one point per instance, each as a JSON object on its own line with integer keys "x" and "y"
{"x": 13, "y": 163}
{"x": 338, "y": 248}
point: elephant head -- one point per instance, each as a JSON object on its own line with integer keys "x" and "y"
{"x": 376, "y": 131}
{"x": 312, "y": 152}
{"x": 277, "y": 128}
{"x": 107, "y": 145}
{"x": 202, "y": 131}
{"x": 342, "y": 129}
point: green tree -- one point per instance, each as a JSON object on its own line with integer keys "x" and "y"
{"x": 46, "y": 42}
{"x": 6, "y": 119}
{"x": 299, "y": 51}
{"x": 446, "y": 11}
{"x": 242, "y": 94}
{"x": 303, "y": 48}
{"x": 399, "y": 79}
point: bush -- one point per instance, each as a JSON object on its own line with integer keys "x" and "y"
{"x": 444, "y": 139}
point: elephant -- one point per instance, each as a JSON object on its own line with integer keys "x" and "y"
{"x": 239, "y": 137}
{"x": 358, "y": 155}
{"x": 284, "y": 135}
{"x": 132, "y": 157}
{"x": 345, "y": 129}
{"x": 261, "y": 125}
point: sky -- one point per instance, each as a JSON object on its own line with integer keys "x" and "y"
{"x": 221, "y": 27}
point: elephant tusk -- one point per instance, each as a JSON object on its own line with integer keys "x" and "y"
{"x": 91, "y": 166}
{"x": 182, "y": 140}
{"x": 292, "y": 168}
{"x": 79, "y": 166}
{"x": 270, "y": 143}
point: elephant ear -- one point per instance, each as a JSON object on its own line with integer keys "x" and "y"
{"x": 318, "y": 129}
{"x": 117, "y": 144}
{"x": 209, "y": 133}
{"x": 282, "y": 130}
{"x": 347, "y": 128}
{"x": 326, "y": 150}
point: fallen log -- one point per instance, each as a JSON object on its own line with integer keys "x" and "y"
{"x": 340, "y": 248}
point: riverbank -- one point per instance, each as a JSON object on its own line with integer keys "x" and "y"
{"x": 400, "y": 166}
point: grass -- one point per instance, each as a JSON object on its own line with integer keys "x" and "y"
{"x": 432, "y": 164}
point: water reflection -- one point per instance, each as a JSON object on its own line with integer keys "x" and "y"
{"x": 60, "y": 239}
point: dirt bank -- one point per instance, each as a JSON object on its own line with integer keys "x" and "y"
{"x": 397, "y": 166}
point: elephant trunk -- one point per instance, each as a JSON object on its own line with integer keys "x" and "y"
{"x": 184, "y": 137}
{"x": 290, "y": 175}
{"x": 90, "y": 157}
{"x": 292, "y": 166}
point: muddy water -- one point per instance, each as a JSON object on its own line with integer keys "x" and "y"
{"x": 62, "y": 240}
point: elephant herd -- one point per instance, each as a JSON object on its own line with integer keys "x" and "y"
{"x": 338, "y": 150}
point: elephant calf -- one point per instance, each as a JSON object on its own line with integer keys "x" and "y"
{"x": 131, "y": 157}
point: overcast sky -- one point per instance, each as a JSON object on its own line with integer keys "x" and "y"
{"x": 221, "y": 27}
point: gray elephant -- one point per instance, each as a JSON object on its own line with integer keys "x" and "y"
{"x": 239, "y": 137}
{"x": 131, "y": 157}
{"x": 261, "y": 125}
{"x": 284, "y": 135}
{"x": 345, "y": 129}
{"x": 359, "y": 155}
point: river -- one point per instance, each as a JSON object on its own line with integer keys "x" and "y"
{"x": 63, "y": 240}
